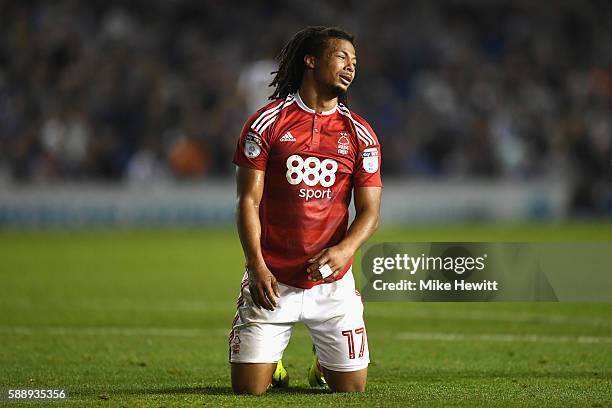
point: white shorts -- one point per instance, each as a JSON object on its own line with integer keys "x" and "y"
{"x": 332, "y": 312}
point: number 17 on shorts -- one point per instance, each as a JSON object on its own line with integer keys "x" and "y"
{"x": 351, "y": 336}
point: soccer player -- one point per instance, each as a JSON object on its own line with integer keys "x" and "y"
{"x": 298, "y": 160}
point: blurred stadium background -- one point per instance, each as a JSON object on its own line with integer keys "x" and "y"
{"x": 495, "y": 122}
{"x": 115, "y": 112}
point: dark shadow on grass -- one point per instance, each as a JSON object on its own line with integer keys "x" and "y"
{"x": 216, "y": 390}
{"x": 209, "y": 390}
{"x": 429, "y": 376}
{"x": 300, "y": 390}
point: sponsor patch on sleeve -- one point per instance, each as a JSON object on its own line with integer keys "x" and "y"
{"x": 370, "y": 160}
{"x": 252, "y": 145}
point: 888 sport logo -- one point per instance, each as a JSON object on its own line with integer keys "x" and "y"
{"x": 312, "y": 172}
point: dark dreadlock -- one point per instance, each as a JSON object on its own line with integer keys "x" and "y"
{"x": 309, "y": 41}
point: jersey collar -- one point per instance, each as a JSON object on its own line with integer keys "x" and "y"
{"x": 305, "y": 107}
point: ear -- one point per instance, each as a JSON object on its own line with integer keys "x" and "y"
{"x": 309, "y": 61}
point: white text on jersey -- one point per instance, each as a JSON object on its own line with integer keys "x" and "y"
{"x": 312, "y": 171}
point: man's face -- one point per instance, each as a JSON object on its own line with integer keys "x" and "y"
{"x": 337, "y": 66}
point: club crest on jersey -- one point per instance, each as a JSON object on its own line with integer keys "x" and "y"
{"x": 252, "y": 145}
{"x": 370, "y": 160}
{"x": 343, "y": 143}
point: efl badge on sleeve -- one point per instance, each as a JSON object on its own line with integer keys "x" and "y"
{"x": 252, "y": 145}
{"x": 370, "y": 160}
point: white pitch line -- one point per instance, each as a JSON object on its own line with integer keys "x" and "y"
{"x": 540, "y": 318}
{"x": 122, "y": 304}
{"x": 194, "y": 333}
{"x": 110, "y": 331}
{"x": 499, "y": 337}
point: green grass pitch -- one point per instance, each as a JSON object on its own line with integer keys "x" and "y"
{"x": 140, "y": 318}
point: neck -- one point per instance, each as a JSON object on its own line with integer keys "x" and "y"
{"x": 317, "y": 99}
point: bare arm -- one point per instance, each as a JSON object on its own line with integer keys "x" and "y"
{"x": 367, "y": 208}
{"x": 262, "y": 284}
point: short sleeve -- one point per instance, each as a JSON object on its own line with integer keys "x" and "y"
{"x": 252, "y": 147}
{"x": 367, "y": 169}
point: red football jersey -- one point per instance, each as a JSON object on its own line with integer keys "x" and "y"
{"x": 311, "y": 163}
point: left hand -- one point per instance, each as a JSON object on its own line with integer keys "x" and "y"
{"x": 336, "y": 257}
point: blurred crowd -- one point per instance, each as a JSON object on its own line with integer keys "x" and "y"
{"x": 149, "y": 90}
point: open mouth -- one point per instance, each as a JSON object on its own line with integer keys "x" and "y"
{"x": 346, "y": 79}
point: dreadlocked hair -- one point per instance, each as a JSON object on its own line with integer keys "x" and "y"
{"x": 309, "y": 41}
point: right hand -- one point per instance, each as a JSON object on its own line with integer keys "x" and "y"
{"x": 263, "y": 287}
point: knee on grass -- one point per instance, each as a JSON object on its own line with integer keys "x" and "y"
{"x": 346, "y": 381}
